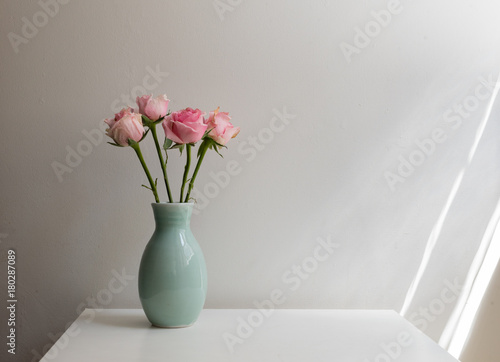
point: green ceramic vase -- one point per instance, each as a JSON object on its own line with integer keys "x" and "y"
{"x": 172, "y": 274}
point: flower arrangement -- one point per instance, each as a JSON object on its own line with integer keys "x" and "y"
{"x": 183, "y": 129}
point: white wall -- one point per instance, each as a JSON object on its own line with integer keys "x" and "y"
{"x": 322, "y": 176}
{"x": 483, "y": 344}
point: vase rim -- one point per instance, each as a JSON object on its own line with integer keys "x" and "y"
{"x": 172, "y": 203}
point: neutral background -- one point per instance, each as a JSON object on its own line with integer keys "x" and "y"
{"x": 73, "y": 209}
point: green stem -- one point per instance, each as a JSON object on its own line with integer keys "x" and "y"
{"x": 137, "y": 150}
{"x": 204, "y": 148}
{"x": 162, "y": 162}
{"x": 186, "y": 169}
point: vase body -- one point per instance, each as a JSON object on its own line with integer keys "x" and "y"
{"x": 172, "y": 274}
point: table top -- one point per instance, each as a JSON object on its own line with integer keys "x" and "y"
{"x": 290, "y": 335}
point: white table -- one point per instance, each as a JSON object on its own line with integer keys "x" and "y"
{"x": 248, "y": 335}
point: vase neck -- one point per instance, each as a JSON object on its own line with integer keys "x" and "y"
{"x": 170, "y": 214}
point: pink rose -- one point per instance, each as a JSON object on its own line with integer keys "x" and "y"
{"x": 186, "y": 126}
{"x": 153, "y": 108}
{"x": 125, "y": 125}
{"x": 221, "y": 129}
{"x": 118, "y": 116}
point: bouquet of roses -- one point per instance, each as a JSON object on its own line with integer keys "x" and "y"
{"x": 183, "y": 129}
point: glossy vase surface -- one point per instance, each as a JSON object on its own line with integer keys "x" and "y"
{"x": 172, "y": 274}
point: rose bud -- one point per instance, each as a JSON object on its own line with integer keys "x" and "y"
{"x": 221, "y": 129}
{"x": 185, "y": 126}
{"x": 153, "y": 108}
{"x": 125, "y": 125}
